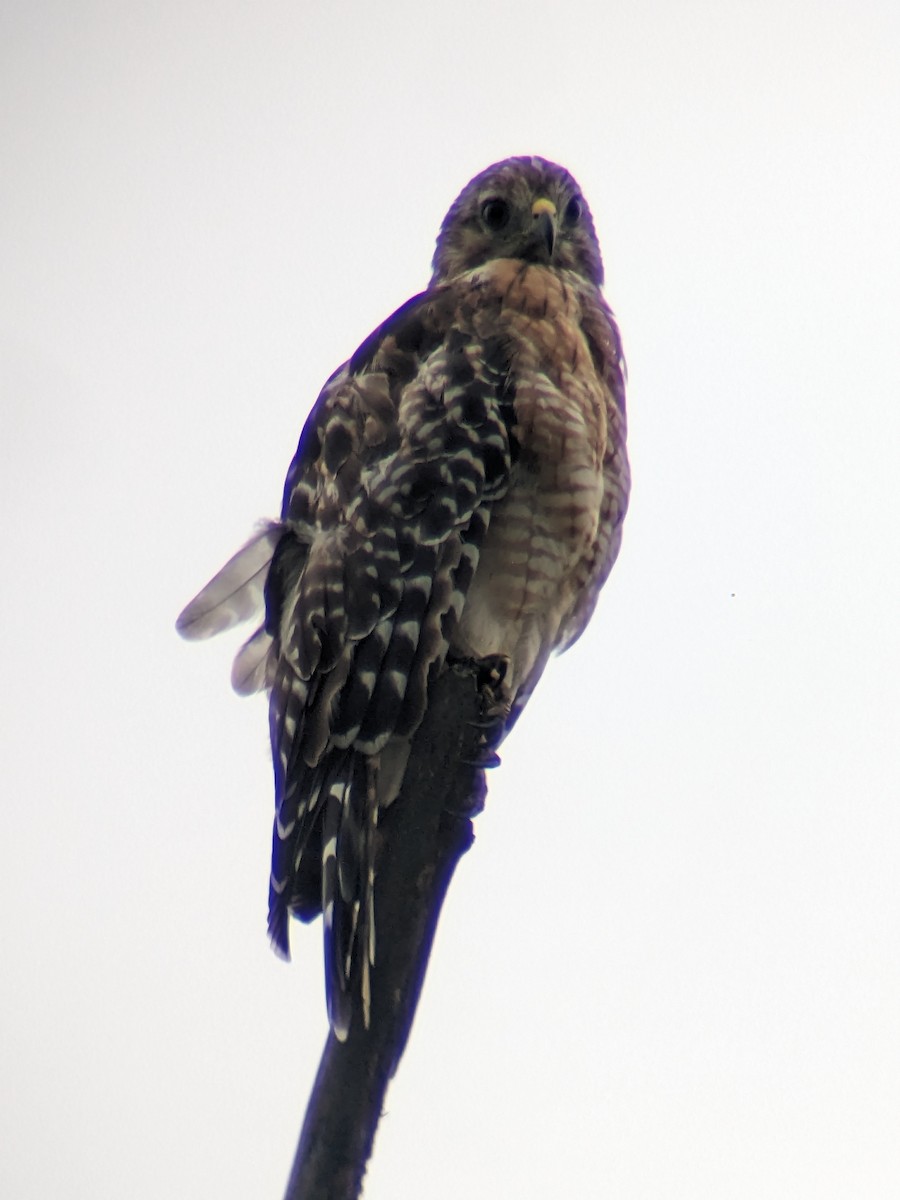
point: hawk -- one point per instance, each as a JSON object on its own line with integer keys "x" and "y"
{"x": 458, "y": 493}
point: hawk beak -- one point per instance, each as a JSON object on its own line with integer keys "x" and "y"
{"x": 543, "y": 214}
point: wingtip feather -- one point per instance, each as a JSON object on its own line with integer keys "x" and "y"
{"x": 234, "y": 594}
{"x": 251, "y": 667}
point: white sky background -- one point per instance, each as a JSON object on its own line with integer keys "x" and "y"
{"x": 670, "y": 967}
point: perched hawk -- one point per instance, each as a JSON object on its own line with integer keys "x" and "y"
{"x": 457, "y": 494}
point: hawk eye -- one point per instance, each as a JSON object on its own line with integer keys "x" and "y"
{"x": 573, "y": 212}
{"x": 495, "y": 213}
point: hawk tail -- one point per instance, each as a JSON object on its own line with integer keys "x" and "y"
{"x": 324, "y": 859}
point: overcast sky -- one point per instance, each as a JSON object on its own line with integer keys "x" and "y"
{"x": 670, "y": 966}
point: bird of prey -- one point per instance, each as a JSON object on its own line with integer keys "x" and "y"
{"x": 457, "y": 493}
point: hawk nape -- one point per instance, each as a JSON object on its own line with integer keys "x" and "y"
{"x": 458, "y": 492}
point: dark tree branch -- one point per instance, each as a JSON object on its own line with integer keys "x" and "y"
{"x": 424, "y": 833}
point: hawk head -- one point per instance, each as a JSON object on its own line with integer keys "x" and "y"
{"x": 525, "y": 208}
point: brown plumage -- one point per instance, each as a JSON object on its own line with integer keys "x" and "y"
{"x": 458, "y": 493}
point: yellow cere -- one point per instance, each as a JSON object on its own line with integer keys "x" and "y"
{"x": 543, "y": 206}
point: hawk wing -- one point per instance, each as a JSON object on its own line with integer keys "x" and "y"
{"x": 482, "y": 423}
{"x": 385, "y": 506}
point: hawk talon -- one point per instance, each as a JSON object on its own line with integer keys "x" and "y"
{"x": 485, "y": 722}
{"x": 485, "y": 759}
{"x": 491, "y": 671}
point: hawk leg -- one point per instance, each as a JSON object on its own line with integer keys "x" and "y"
{"x": 490, "y": 673}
